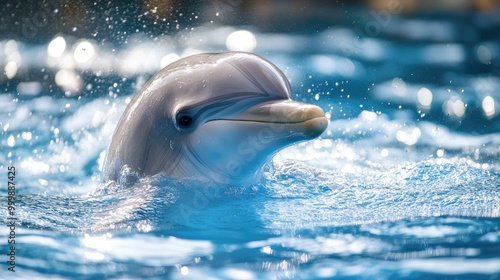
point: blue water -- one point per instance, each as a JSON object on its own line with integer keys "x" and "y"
{"x": 405, "y": 183}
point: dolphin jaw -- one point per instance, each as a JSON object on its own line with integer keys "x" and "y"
{"x": 293, "y": 116}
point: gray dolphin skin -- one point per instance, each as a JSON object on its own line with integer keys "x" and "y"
{"x": 215, "y": 117}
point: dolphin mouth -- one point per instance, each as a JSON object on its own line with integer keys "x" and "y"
{"x": 290, "y": 115}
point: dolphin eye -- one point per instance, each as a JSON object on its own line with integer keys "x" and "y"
{"x": 184, "y": 121}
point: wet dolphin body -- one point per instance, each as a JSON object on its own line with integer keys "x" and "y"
{"x": 210, "y": 116}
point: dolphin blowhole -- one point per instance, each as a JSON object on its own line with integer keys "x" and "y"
{"x": 215, "y": 117}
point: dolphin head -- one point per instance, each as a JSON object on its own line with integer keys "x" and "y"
{"x": 218, "y": 117}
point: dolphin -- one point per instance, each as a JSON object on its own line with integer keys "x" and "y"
{"x": 215, "y": 117}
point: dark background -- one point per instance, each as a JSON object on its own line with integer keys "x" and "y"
{"x": 113, "y": 21}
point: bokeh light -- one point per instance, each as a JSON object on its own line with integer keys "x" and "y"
{"x": 484, "y": 54}
{"x": 424, "y": 96}
{"x": 488, "y": 106}
{"x": 10, "y": 69}
{"x": 454, "y": 107}
{"x": 167, "y": 59}
{"x": 409, "y": 137}
{"x": 241, "y": 40}
{"x": 68, "y": 80}
{"x": 56, "y": 47}
{"x": 84, "y": 51}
